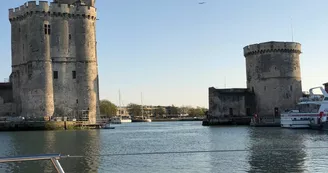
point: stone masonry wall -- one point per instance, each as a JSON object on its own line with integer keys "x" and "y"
{"x": 222, "y": 100}
{"x": 6, "y": 99}
{"x": 274, "y": 74}
{"x": 55, "y": 39}
{"x": 87, "y": 67}
{"x": 64, "y": 64}
{"x": 32, "y": 68}
{"x": 6, "y": 109}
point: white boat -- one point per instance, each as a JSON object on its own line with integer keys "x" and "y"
{"x": 107, "y": 126}
{"x": 144, "y": 119}
{"x": 121, "y": 119}
{"x": 148, "y": 120}
{"x": 310, "y": 110}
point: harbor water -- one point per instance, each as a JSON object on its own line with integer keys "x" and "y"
{"x": 163, "y": 147}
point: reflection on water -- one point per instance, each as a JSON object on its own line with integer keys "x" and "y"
{"x": 70, "y": 142}
{"x": 171, "y": 137}
{"x": 279, "y": 160}
{"x": 228, "y": 138}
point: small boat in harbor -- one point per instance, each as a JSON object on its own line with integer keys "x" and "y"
{"x": 142, "y": 118}
{"x": 107, "y": 126}
{"x": 310, "y": 111}
{"x": 122, "y": 115}
{"x": 121, "y": 119}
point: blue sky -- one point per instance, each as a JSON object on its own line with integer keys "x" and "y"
{"x": 173, "y": 50}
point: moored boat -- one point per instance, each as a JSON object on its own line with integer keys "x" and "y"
{"x": 107, "y": 126}
{"x": 121, "y": 119}
{"x": 310, "y": 111}
{"x": 142, "y": 120}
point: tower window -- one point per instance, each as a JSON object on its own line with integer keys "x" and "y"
{"x": 248, "y": 112}
{"x": 287, "y": 96}
{"x": 47, "y": 29}
{"x": 264, "y": 88}
{"x": 69, "y": 36}
{"x": 230, "y": 111}
{"x": 29, "y": 70}
{"x": 74, "y": 74}
{"x": 55, "y": 74}
{"x": 276, "y": 112}
{"x": 291, "y": 88}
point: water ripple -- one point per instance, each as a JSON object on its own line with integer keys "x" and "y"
{"x": 172, "y": 147}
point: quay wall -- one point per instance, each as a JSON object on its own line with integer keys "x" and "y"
{"x": 40, "y": 125}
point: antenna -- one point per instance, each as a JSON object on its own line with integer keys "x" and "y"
{"x": 225, "y": 82}
{"x": 141, "y": 106}
{"x": 141, "y": 98}
{"x": 291, "y": 25}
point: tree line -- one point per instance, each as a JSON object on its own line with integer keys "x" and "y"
{"x": 109, "y": 109}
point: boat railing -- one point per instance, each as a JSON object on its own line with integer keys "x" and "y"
{"x": 54, "y": 158}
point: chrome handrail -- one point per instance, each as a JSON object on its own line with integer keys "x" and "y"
{"x": 53, "y": 157}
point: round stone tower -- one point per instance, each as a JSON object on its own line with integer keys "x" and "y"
{"x": 274, "y": 75}
{"x": 86, "y": 60}
{"x": 32, "y": 66}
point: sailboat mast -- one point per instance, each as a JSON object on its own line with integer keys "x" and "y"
{"x": 141, "y": 107}
{"x": 119, "y": 98}
{"x": 292, "y": 28}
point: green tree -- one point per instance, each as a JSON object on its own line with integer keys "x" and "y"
{"x": 185, "y": 109}
{"x": 197, "y": 111}
{"x": 134, "y": 109}
{"x": 204, "y": 110}
{"x": 107, "y": 108}
{"x": 159, "y": 111}
{"x": 174, "y": 110}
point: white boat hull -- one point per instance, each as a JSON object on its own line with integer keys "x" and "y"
{"x": 120, "y": 121}
{"x": 310, "y": 111}
{"x": 142, "y": 120}
{"x": 297, "y": 121}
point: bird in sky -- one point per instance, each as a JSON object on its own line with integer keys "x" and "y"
{"x": 201, "y": 2}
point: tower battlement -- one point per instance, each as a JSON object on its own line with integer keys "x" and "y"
{"x": 54, "y": 9}
{"x": 272, "y": 46}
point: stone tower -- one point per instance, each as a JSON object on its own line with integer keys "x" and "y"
{"x": 54, "y": 62}
{"x": 274, "y": 75}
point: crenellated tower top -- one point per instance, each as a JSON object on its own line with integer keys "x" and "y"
{"x": 55, "y": 9}
{"x": 272, "y": 46}
{"x": 72, "y": 2}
